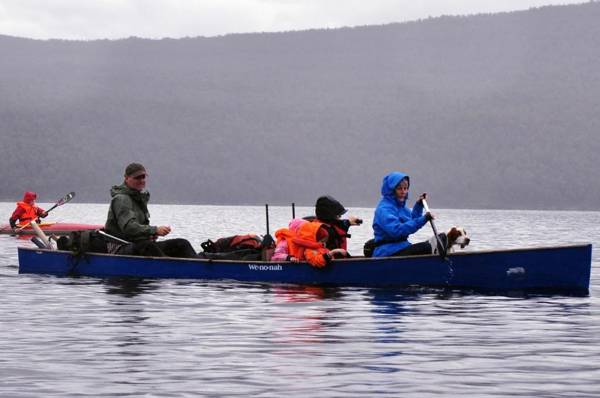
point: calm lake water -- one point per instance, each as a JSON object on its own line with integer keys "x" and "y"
{"x": 73, "y": 337}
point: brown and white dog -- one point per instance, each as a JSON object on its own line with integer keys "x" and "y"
{"x": 456, "y": 236}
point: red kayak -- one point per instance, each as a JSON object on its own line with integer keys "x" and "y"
{"x": 50, "y": 228}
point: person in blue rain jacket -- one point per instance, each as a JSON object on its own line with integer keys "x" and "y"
{"x": 393, "y": 222}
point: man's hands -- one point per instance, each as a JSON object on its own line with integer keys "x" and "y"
{"x": 163, "y": 230}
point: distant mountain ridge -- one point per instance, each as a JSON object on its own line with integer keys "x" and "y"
{"x": 486, "y": 111}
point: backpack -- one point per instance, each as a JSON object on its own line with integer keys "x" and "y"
{"x": 82, "y": 242}
{"x": 232, "y": 243}
{"x": 249, "y": 247}
{"x": 369, "y": 247}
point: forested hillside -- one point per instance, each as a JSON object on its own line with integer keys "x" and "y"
{"x": 486, "y": 111}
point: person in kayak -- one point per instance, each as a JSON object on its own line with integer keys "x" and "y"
{"x": 26, "y": 211}
{"x": 394, "y": 222}
{"x": 128, "y": 219}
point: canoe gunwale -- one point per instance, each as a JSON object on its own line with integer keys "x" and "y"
{"x": 51, "y": 228}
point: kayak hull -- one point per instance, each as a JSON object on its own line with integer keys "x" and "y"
{"x": 50, "y": 229}
{"x": 546, "y": 268}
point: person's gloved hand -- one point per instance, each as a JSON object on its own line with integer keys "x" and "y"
{"x": 354, "y": 220}
{"x": 338, "y": 253}
{"x": 429, "y": 216}
{"x": 44, "y": 214}
{"x": 13, "y": 223}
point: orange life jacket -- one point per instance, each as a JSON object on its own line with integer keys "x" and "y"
{"x": 288, "y": 236}
{"x": 306, "y": 247}
{"x": 31, "y": 212}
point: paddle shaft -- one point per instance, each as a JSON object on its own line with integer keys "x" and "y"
{"x": 267, "y": 215}
{"x": 38, "y": 231}
{"x": 31, "y": 222}
{"x": 268, "y": 243}
{"x": 52, "y": 208}
{"x": 101, "y": 232}
{"x": 435, "y": 233}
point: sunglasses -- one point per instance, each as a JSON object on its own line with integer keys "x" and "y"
{"x": 140, "y": 177}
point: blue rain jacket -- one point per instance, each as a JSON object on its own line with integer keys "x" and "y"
{"x": 393, "y": 221}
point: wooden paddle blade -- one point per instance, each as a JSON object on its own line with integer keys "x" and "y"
{"x": 38, "y": 242}
{"x": 442, "y": 249}
{"x": 40, "y": 234}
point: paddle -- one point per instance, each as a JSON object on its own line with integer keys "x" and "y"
{"x": 62, "y": 201}
{"x": 67, "y": 198}
{"x": 41, "y": 235}
{"x": 441, "y": 247}
{"x": 101, "y": 232}
{"x": 268, "y": 244}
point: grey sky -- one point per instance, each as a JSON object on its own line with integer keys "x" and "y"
{"x": 97, "y": 19}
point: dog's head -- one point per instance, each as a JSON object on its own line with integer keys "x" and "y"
{"x": 458, "y": 236}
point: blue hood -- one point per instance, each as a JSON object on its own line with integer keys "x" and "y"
{"x": 390, "y": 182}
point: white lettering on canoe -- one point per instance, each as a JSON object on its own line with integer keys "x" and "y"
{"x": 515, "y": 271}
{"x": 274, "y": 267}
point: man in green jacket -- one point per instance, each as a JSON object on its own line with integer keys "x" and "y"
{"x": 129, "y": 219}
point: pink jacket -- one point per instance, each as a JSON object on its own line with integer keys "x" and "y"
{"x": 283, "y": 235}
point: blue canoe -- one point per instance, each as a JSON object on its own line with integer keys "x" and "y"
{"x": 560, "y": 268}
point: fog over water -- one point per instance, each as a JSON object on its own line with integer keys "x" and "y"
{"x": 77, "y": 20}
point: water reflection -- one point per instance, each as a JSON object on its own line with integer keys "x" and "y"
{"x": 304, "y": 293}
{"x": 392, "y": 301}
{"x": 311, "y": 313}
{"x": 130, "y": 287}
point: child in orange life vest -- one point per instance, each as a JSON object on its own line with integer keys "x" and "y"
{"x": 329, "y": 212}
{"x": 309, "y": 245}
{"x": 284, "y": 241}
{"x": 26, "y": 210}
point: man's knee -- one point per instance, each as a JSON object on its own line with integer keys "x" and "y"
{"x": 178, "y": 247}
{"x": 146, "y": 249}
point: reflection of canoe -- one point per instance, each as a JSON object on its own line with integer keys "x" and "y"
{"x": 550, "y": 268}
{"x": 50, "y": 228}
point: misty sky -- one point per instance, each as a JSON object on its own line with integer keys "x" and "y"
{"x": 113, "y": 19}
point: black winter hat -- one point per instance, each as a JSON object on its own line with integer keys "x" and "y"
{"x": 328, "y": 208}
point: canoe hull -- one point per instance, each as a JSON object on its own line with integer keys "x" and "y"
{"x": 551, "y": 268}
{"x": 50, "y": 229}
